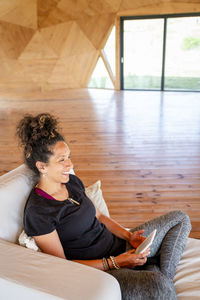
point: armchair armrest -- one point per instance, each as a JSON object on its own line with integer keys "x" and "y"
{"x": 26, "y": 273}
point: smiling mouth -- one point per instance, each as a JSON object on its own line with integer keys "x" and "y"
{"x": 65, "y": 173}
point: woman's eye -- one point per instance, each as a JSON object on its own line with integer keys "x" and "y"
{"x": 63, "y": 159}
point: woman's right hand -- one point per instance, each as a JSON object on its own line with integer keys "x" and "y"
{"x": 130, "y": 259}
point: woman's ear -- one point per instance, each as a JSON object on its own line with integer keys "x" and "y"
{"x": 41, "y": 166}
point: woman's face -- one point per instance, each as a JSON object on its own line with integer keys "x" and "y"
{"x": 59, "y": 164}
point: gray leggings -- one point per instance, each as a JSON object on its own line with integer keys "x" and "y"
{"x": 154, "y": 280}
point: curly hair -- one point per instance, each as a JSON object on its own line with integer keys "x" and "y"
{"x": 37, "y": 135}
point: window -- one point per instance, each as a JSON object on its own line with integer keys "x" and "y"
{"x": 104, "y": 73}
{"x": 182, "y": 70}
{"x": 100, "y": 77}
{"x": 160, "y": 52}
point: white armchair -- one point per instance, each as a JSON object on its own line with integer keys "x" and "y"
{"x": 25, "y": 273}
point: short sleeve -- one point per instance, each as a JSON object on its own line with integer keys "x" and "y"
{"x": 75, "y": 183}
{"x": 80, "y": 183}
{"x": 37, "y": 221}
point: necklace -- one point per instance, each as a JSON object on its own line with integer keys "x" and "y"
{"x": 73, "y": 201}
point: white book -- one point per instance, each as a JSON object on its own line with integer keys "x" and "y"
{"x": 146, "y": 243}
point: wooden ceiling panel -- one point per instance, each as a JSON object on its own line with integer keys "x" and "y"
{"x": 127, "y": 4}
{"x": 44, "y": 7}
{"x": 14, "y": 38}
{"x": 56, "y": 36}
{"x": 114, "y": 4}
{"x": 24, "y": 14}
{"x": 56, "y": 16}
{"x": 76, "y": 42}
{"x": 73, "y": 8}
{"x": 7, "y": 6}
{"x": 184, "y": 1}
{"x": 157, "y": 7}
{"x": 104, "y": 6}
{"x": 38, "y": 48}
{"x": 96, "y": 28}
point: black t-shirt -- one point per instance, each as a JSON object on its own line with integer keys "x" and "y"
{"x": 81, "y": 234}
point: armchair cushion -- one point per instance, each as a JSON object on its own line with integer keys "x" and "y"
{"x": 26, "y": 274}
{"x": 15, "y": 187}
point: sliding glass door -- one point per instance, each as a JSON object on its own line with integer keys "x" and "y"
{"x": 182, "y": 63}
{"x": 160, "y": 53}
{"x": 143, "y": 41}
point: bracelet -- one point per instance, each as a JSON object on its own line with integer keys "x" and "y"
{"x": 108, "y": 264}
{"x": 115, "y": 265}
{"x": 105, "y": 264}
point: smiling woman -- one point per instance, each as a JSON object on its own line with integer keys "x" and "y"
{"x": 65, "y": 223}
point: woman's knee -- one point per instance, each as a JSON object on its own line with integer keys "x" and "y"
{"x": 144, "y": 285}
{"x": 184, "y": 218}
{"x": 181, "y": 216}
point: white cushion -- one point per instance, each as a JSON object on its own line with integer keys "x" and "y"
{"x": 187, "y": 278}
{"x": 28, "y": 241}
{"x": 94, "y": 192}
{"x": 15, "y": 187}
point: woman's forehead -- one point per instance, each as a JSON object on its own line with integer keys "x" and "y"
{"x": 60, "y": 148}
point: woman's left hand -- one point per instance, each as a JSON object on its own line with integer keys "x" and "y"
{"x": 136, "y": 238}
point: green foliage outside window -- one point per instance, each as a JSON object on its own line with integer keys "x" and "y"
{"x": 190, "y": 43}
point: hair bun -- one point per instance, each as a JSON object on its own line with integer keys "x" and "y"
{"x": 36, "y": 129}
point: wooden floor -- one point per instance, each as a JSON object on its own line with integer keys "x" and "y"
{"x": 144, "y": 146}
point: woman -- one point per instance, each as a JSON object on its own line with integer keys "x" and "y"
{"x": 65, "y": 223}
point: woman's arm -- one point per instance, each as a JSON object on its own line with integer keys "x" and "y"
{"x": 134, "y": 238}
{"x": 50, "y": 244}
{"x": 113, "y": 226}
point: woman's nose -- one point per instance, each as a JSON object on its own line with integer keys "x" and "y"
{"x": 70, "y": 164}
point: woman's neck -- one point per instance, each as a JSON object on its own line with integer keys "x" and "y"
{"x": 56, "y": 190}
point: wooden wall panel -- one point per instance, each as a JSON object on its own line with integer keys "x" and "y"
{"x": 39, "y": 71}
{"x": 6, "y": 67}
{"x": 56, "y": 43}
{"x": 24, "y": 14}
{"x": 14, "y": 38}
{"x": 76, "y": 43}
{"x": 19, "y": 75}
{"x": 38, "y": 49}
{"x": 56, "y": 36}
{"x": 70, "y": 71}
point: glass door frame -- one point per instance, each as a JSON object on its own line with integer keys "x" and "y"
{"x": 165, "y": 17}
